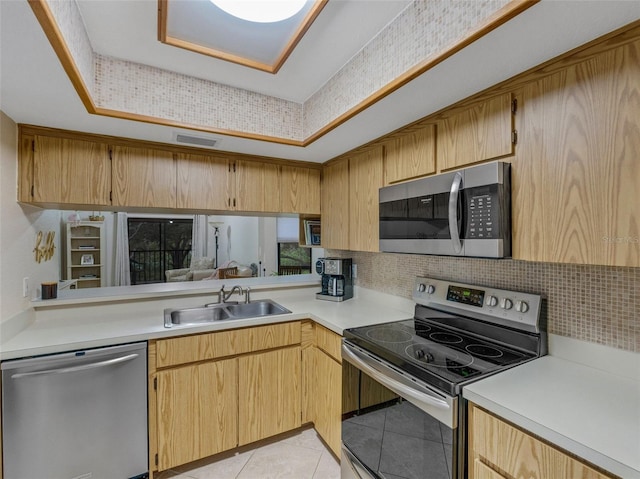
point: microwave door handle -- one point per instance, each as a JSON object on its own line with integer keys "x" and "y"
{"x": 453, "y": 212}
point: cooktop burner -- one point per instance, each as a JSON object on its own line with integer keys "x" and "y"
{"x": 445, "y": 338}
{"x": 389, "y": 335}
{"x": 483, "y": 351}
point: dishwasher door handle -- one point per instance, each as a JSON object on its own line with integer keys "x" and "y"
{"x": 73, "y": 369}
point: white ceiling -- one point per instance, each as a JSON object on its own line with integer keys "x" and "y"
{"x": 34, "y": 88}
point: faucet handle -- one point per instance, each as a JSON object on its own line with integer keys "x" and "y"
{"x": 246, "y": 295}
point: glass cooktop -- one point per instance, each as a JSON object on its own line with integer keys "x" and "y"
{"x": 441, "y": 356}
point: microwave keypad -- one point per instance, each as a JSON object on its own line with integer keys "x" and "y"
{"x": 483, "y": 215}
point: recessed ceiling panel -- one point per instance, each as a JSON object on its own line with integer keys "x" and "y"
{"x": 202, "y": 27}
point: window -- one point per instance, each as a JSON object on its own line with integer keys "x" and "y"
{"x": 158, "y": 244}
{"x": 292, "y": 259}
{"x": 292, "y": 256}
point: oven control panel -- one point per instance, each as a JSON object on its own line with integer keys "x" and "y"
{"x": 510, "y": 308}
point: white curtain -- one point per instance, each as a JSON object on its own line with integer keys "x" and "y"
{"x": 199, "y": 237}
{"x": 122, "y": 276}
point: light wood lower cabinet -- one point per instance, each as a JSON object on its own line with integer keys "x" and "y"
{"x": 499, "y": 450}
{"x": 210, "y": 392}
{"x": 328, "y": 399}
{"x": 197, "y": 411}
{"x": 269, "y": 394}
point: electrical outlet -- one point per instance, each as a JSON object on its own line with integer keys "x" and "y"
{"x": 25, "y": 287}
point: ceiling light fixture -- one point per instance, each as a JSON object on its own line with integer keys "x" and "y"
{"x": 261, "y": 11}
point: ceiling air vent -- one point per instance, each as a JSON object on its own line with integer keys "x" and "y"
{"x": 196, "y": 140}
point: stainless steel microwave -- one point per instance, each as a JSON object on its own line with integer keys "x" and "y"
{"x": 461, "y": 213}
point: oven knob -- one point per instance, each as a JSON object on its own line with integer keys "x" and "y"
{"x": 506, "y": 303}
{"x": 431, "y": 289}
{"x": 491, "y": 301}
{"x": 427, "y": 358}
{"x": 422, "y": 287}
{"x": 522, "y": 306}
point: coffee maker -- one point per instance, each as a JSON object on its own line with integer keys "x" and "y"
{"x": 337, "y": 279}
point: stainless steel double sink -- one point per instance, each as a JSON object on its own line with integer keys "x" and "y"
{"x": 222, "y": 312}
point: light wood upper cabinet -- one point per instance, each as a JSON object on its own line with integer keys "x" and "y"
{"x": 335, "y": 205}
{"x": 365, "y": 179}
{"x": 299, "y": 190}
{"x": 143, "y": 177}
{"x": 576, "y": 175}
{"x": 269, "y": 394}
{"x": 197, "y": 412}
{"x": 498, "y": 446}
{"x": 480, "y": 132}
{"x": 257, "y": 186}
{"x": 410, "y": 155}
{"x": 69, "y": 171}
{"x": 203, "y": 182}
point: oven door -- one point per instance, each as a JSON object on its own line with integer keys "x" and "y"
{"x": 394, "y": 426}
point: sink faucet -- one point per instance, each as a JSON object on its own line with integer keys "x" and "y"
{"x": 225, "y": 295}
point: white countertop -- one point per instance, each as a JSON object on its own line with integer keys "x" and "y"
{"x": 589, "y": 412}
{"x": 72, "y": 324}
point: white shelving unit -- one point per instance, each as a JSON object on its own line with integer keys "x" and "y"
{"x": 86, "y": 253}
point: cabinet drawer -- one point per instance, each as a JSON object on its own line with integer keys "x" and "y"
{"x": 202, "y": 347}
{"x": 329, "y": 342}
{"x": 521, "y": 455}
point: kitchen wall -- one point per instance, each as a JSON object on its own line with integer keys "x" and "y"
{"x": 19, "y": 226}
{"x": 598, "y": 304}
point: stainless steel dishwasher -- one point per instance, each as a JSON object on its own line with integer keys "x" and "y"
{"x": 77, "y": 415}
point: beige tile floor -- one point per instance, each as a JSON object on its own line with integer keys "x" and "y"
{"x": 297, "y": 455}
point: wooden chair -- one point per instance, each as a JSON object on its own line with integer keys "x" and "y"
{"x": 224, "y": 273}
{"x": 287, "y": 270}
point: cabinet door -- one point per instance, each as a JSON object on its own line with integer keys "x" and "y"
{"x": 411, "y": 155}
{"x": 143, "y": 177}
{"x": 203, "y": 182}
{"x": 480, "y": 132}
{"x": 269, "y": 388}
{"x": 335, "y": 205}
{"x": 299, "y": 190}
{"x": 576, "y": 176}
{"x": 70, "y": 172}
{"x": 197, "y": 412}
{"x": 365, "y": 179}
{"x": 328, "y": 399}
{"x": 525, "y": 455}
{"x": 257, "y": 186}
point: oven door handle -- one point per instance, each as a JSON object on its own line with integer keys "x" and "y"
{"x": 453, "y": 212}
{"x": 407, "y": 392}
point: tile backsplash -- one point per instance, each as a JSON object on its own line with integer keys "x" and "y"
{"x": 599, "y": 304}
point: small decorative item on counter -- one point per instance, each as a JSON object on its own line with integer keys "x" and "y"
{"x": 96, "y": 217}
{"x": 49, "y": 290}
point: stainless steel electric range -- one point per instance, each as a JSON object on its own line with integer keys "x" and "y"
{"x": 407, "y": 417}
